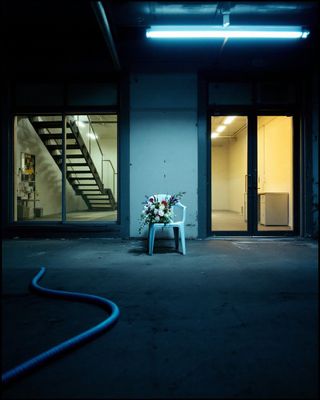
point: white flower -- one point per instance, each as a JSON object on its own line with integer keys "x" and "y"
{"x": 162, "y": 207}
{"x": 157, "y": 218}
{"x": 161, "y": 213}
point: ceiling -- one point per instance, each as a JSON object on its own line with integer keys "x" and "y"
{"x": 65, "y": 37}
{"x": 231, "y": 130}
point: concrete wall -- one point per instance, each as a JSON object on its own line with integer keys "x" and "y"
{"x": 163, "y": 142}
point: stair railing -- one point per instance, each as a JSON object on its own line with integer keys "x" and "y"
{"x": 98, "y": 162}
{"x": 114, "y": 173}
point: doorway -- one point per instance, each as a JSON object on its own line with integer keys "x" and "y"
{"x": 252, "y": 174}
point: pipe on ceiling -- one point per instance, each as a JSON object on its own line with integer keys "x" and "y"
{"x": 106, "y": 31}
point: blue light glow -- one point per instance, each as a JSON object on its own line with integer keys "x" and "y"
{"x": 212, "y": 32}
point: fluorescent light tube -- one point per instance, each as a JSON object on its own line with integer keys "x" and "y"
{"x": 211, "y": 32}
{"x": 229, "y": 119}
{"x": 214, "y": 135}
{"x": 221, "y": 128}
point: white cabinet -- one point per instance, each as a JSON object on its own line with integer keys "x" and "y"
{"x": 274, "y": 209}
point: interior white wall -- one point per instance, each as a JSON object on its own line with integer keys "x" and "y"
{"x": 163, "y": 142}
{"x": 220, "y": 177}
{"x": 237, "y": 171}
{"x": 275, "y": 157}
{"x": 229, "y": 167}
{"x": 48, "y": 174}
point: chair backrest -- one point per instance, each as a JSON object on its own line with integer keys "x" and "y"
{"x": 166, "y": 197}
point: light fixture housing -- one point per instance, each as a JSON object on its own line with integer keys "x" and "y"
{"x": 216, "y": 32}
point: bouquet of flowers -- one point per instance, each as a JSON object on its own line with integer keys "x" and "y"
{"x": 158, "y": 211}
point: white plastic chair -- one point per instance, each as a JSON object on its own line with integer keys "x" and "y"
{"x": 178, "y": 227}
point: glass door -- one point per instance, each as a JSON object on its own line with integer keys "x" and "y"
{"x": 229, "y": 173}
{"x": 275, "y": 173}
{"x": 252, "y": 175}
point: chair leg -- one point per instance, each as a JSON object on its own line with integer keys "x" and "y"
{"x": 148, "y": 243}
{"x": 152, "y": 232}
{"x": 183, "y": 240}
{"x": 176, "y": 236}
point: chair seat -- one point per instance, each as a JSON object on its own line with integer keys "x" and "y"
{"x": 168, "y": 225}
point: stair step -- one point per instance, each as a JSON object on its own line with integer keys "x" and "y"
{"x": 79, "y": 172}
{"x": 59, "y": 146}
{"x": 46, "y": 124}
{"x": 96, "y": 198}
{"x": 75, "y": 156}
{"x": 96, "y": 205}
{"x": 86, "y": 184}
{"x": 100, "y": 202}
{"x": 57, "y": 136}
{"x": 76, "y": 164}
{"x": 89, "y": 178}
{"x": 102, "y": 209}
{"x": 58, "y": 156}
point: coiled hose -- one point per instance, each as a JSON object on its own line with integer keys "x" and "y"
{"x": 71, "y": 343}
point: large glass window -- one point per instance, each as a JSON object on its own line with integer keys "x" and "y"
{"x": 90, "y": 161}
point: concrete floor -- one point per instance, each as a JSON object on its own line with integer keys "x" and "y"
{"x": 231, "y": 319}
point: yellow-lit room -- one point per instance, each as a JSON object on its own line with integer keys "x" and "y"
{"x": 231, "y": 182}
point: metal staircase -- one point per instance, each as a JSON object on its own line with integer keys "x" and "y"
{"x": 81, "y": 172}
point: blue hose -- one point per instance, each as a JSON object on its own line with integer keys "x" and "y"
{"x": 71, "y": 343}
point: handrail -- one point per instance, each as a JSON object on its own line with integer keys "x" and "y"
{"x": 90, "y": 123}
{"x": 113, "y": 176}
{"x": 114, "y": 171}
